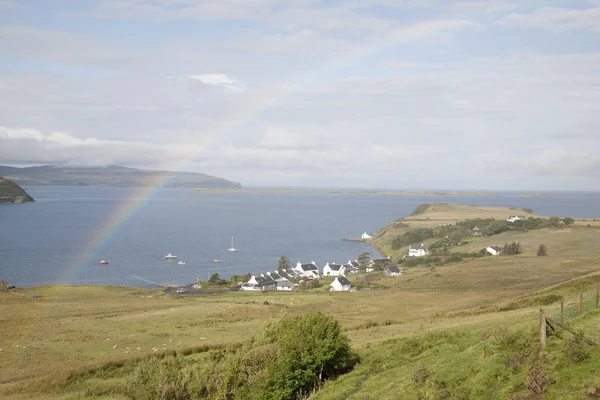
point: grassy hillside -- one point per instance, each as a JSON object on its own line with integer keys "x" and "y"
{"x": 112, "y": 175}
{"x": 436, "y": 215}
{"x": 460, "y": 331}
{"x": 10, "y": 192}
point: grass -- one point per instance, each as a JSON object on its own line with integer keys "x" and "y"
{"x": 55, "y": 339}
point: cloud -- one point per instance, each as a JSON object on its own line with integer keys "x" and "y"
{"x": 556, "y": 19}
{"x": 220, "y": 80}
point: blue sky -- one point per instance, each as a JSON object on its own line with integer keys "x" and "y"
{"x": 487, "y": 94}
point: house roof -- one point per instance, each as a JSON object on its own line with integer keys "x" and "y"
{"x": 309, "y": 267}
{"x": 275, "y": 275}
{"x": 343, "y": 281}
{"x": 495, "y": 248}
{"x": 393, "y": 268}
{"x": 417, "y": 246}
{"x": 335, "y": 267}
{"x": 475, "y": 228}
{"x": 265, "y": 281}
{"x": 354, "y": 263}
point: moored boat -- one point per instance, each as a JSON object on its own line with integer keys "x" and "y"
{"x": 170, "y": 257}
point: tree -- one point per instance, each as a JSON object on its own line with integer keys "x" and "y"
{"x": 363, "y": 260}
{"x": 284, "y": 263}
{"x": 311, "y": 349}
{"x": 542, "y": 250}
{"x": 568, "y": 221}
{"x": 216, "y": 280}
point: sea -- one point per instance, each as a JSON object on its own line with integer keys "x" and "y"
{"x": 62, "y": 237}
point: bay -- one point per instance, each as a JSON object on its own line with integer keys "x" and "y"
{"x": 62, "y": 237}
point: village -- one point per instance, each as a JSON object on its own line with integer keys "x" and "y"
{"x": 304, "y": 274}
{"x": 309, "y": 275}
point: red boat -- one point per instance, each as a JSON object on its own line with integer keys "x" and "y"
{"x": 104, "y": 262}
{"x": 216, "y": 261}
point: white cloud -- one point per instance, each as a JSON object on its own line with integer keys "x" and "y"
{"x": 221, "y": 80}
{"x": 556, "y": 19}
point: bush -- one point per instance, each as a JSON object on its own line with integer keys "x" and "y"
{"x": 538, "y": 380}
{"x": 292, "y": 358}
{"x": 568, "y": 221}
{"x": 577, "y": 350}
{"x": 542, "y": 250}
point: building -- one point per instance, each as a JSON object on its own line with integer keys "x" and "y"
{"x": 494, "y": 250}
{"x": 259, "y": 283}
{"x": 378, "y": 264}
{"x": 513, "y": 218}
{"x": 307, "y": 270}
{"x": 417, "y": 250}
{"x": 334, "y": 270}
{"x": 276, "y": 276}
{"x": 285, "y": 285}
{"x": 340, "y": 284}
{"x": 365, "y": 236}
{"x": 476, "y": 231}
{"x": 392, "y": 270}
{"x": 352, "y": 267}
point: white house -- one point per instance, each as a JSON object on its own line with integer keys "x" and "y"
{"x": 307, "y": 270}
{"x": 352, "y": 267}
{"x": 334, "y": 270}
{"x": 377, "y": 264}
{"x": 285, "y": 285}
{"x": 365, "y": 236}
{"x": 340, "y": 284}
{"x": 417, "y": 250}
{"x": 514, "y": 218}
{"x": 392, "y": 270}
{"x": 259, "y": 283}
{"x": 494, "y": 250}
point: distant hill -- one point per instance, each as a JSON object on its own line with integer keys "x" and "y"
{"x": 112, "y": 175}
{"x": 10, "y": 192}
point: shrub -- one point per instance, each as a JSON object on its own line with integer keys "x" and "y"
{"x": 568, "y": 221}
{"x": 577, "y": 350}
{"x": 538, "y": 380}
{"x": 542, "y": 250}
{"x": 292, "y": 358}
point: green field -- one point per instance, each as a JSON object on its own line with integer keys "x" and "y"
{"x": 464, "y": 331}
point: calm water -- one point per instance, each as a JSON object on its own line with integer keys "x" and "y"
{"x": 62, "y": 237}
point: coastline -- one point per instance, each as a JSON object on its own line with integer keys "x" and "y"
{"x": 404, "y": 193}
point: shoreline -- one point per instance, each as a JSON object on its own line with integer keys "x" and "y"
{"x": 404, "y": 193}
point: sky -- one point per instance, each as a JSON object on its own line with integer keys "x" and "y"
{"x": 400, "y": 94}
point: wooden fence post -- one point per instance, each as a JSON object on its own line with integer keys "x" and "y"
{"x": 562, "y": 310}
{"x": 581, "y": 303}
{"x": 597, "y": 294}
{"x": 542, "y": 330}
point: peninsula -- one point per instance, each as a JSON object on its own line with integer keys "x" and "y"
{"x": 10, "y": 192}
{"x": 111, "y": 175}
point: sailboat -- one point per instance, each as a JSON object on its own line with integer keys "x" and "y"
{"x": 232, "y": 249}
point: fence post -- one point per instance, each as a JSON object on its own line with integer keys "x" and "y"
{"x": 597, "y": 294}
{"x": 542, "y": 330}
{"x": 581, "y": 303}
{"x": 562, "y": 310}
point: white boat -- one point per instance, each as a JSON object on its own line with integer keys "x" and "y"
{"x": 180, "y": 262}
{"x": 170, "y": 257}
{"x": 232, "y": 249}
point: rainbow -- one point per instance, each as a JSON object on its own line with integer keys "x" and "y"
{"x": 263, "y": 100}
